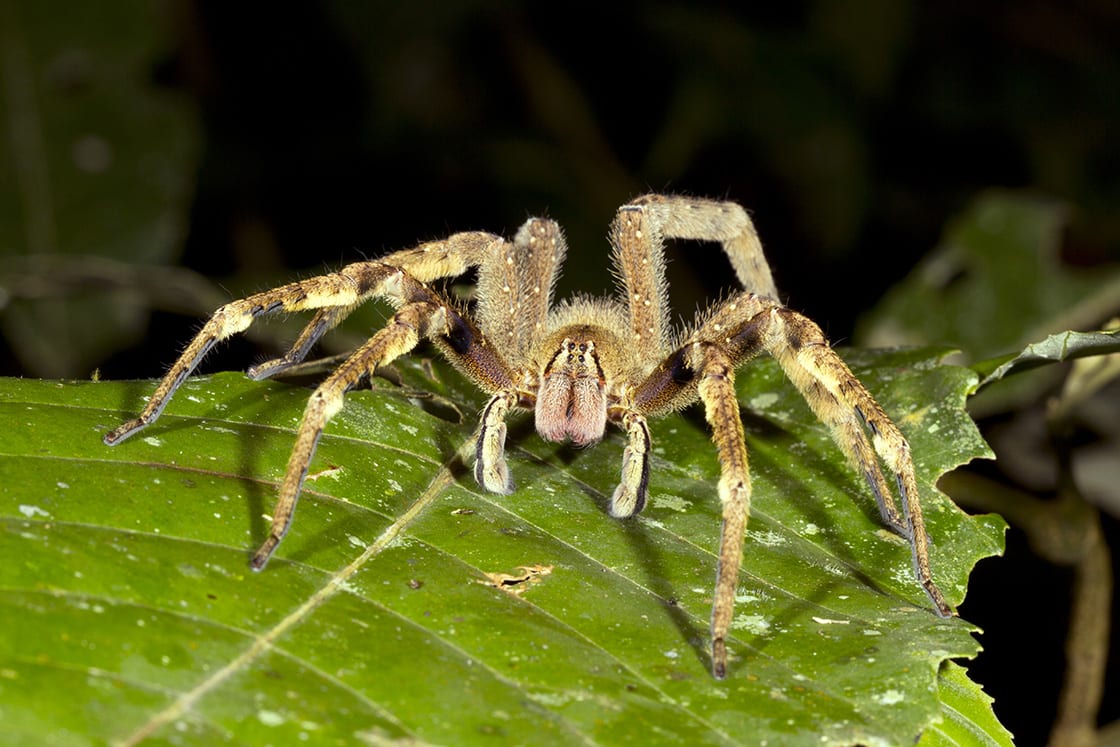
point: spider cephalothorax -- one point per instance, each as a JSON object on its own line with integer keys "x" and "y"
{"x": 585, "y": 363}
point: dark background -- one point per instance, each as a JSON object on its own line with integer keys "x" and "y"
{"x": 851, "y": 130}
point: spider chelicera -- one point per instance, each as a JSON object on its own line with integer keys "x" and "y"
{"x": 584, "y": 363}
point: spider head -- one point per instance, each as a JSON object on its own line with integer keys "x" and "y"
{"x": 571, "y": 403}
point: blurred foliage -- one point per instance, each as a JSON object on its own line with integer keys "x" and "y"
{"x": 326, "y": 130}
{"x": 996, "y": 282}
{"x": 97, "y": 163}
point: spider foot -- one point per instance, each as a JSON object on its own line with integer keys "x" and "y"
{"x": 264, "y": 554}
{"x": 268, "y": 369}
{"x": 627, "y": 501}
{"x": 719, "y": 658}
{"x": 123, "y": 431}
{"x": 494, "y": 477}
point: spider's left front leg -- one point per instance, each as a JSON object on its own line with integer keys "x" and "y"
{"x": 843, "y": 404}
{"x": 721, "y": 409}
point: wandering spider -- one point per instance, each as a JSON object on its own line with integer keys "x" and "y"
{"x": 584, "y": 362}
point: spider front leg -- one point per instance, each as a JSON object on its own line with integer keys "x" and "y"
{"x": 515, "y": 288}
{"x": 721, "y": 410}
{"x": 711, "y": 370}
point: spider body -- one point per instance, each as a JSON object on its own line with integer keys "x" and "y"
{"x": 584, "y": 364}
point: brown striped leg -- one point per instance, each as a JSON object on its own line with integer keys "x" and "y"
{"x": 411, "y": 323}
{"x": 630, "y": 496}
{"x": 344, "y": 289}
{"x": 721, "y": 409}
{"x": 323, "y": 321}
{"x": 842, "y": 403}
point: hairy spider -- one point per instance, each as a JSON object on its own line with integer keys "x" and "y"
{"x": 585, "y": 362}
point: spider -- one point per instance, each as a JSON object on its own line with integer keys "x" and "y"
{"x": 584, "y": 363}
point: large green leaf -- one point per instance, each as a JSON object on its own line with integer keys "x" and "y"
{"x": 130, "y": 611}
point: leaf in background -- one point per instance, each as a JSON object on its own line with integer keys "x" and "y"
{"x": 1054, "y": 349}
{"x": 126, "y": 584}
{"x": 99, "y": 164}
{"x": 997, "y": 283}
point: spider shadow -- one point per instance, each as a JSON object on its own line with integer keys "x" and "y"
{"x": 653, "y": 567}
{"x": 657, "y": 582}
{"x": 132, "y": 398}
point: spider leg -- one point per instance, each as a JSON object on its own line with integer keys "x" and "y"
{"x": 630, "y": 496}
{"x": 515, "y": 288}
{"x": 490, "y": 469}
{"x": 735, "y": 331}
{"x": 841, "y": 402}
{"x": 637, "y": 234}
{"x": 323, "y": 321}
{"x": 408, "y": 326}
{"x": 343, "y": 290}
{"x": 721, "y": 409}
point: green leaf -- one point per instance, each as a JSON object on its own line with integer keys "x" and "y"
{"x": 967, "y": 716}
{"x": 1057, "y": 348}
{"x": 126, "y": 584}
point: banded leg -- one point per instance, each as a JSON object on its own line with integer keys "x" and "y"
{"x": 637, "y": 234}
{"x": 515, "y": 285}
{"x": 490, "y": 469}
{"x": 399, "y": 278}
{"x": 324, "y": 321}
{"x": 842, "y": 403}
{"x": 721, "y": 409}
{"x": 345, "y": 288}
{"x": 630, "y": 496}
{"x": 408, "y": 326}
